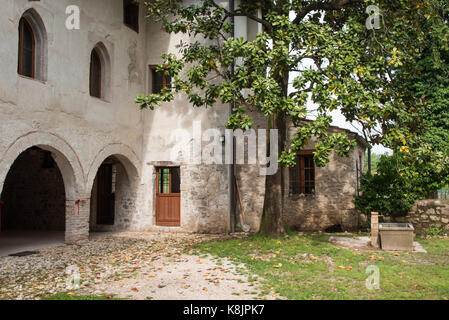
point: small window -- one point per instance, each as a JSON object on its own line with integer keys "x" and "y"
{"x": 131, "y": 14}
{"x": 27, "y": 51}
{"x": 168, "y": 180}
{"x": 302, "y": 176}
{"x": 159, "y": 81}
{"x": 95, "y": 75}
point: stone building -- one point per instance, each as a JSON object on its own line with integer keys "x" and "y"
{"x": 77, "y": 155}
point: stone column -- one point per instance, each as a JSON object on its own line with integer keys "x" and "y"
{"x": 77, "y": 220}
{"x": 375, "y": 229}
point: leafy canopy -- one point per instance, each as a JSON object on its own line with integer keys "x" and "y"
{"x": 310, "y": 51}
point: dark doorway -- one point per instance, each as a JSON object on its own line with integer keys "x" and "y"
{"x": 106, "y": 195}
{"x": 33, "y": 194}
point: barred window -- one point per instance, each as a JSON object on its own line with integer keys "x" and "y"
{"x": 159, "y": 80}
{"x": 302, "y": 176}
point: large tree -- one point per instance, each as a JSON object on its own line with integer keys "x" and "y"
{"x": 322, "y": 49}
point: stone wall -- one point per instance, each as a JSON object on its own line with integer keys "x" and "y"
{"x": 429, "y": 213}
{"x": 332, "y": 204}
{"x": 335, "y": 187}
{"x": 424, "y": 214}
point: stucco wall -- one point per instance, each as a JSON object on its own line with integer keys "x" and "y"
{"x": 57, "y": 113}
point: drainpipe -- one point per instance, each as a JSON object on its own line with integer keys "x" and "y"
{"x": 232, "y": 194}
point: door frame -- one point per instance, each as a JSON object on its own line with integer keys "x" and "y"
{"x": 162, "y": 223}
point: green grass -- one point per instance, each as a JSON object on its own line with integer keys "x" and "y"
{"x": 297, "y": 267}
{"x": 65, "y": 296}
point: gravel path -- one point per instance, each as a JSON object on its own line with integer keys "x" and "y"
{"x": 128, "y": 265}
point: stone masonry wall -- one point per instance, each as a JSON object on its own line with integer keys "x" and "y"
{"x": 424, "y": 214}
{"x": 429, "y": 213}
{"x": 331, "y": 205}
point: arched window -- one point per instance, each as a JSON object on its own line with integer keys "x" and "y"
{"x": 95, "y": 74}
{"x": 32, "y": 60}
{"x": 27, "y": 49}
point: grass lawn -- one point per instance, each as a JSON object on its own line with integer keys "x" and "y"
{"x": 309, "y": 267}
{"x": 66, "y": 296}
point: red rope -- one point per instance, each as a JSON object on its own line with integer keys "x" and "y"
{"x": 77, "y": 203}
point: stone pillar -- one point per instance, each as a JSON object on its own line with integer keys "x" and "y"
{"x": 77, "y": 220}
{"x": 375, "y": 229}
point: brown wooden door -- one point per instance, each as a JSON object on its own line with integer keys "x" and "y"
{"x": 168, "y": 197}
{"x": 105, "y": 196}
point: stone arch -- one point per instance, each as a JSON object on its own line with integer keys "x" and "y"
{"x": 41, "y": 42}
{"x": 62, "y": 152}
{"x": 113, "y": 181}
{"x": 73, "y": 177}
{"x": 105, "y": 60}
{"x": 123, "y": 153}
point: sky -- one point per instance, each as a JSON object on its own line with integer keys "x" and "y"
{"x": 340, "y": 121}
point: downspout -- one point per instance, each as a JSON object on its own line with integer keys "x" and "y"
{"x": 232, "y": 195}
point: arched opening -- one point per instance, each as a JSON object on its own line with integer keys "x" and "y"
{"x": 95, "y": 74}
{"x": 34, "y": 203}
{"x": 27, "y": 49}
{"x": 32, "y": 55}
{"x": 112, "y": 198}
{"x": 99, "y": 73}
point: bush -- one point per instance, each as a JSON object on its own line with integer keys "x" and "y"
{"x": 388, "y": 191}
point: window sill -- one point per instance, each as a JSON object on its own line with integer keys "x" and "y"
{"x": 131, "y": 28}
{"x": 99, "y": 99}
{"x": 301, "y": 196}
{"x": 32, "y": 79}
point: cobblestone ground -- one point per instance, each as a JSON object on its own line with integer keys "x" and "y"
{"x": 128, "y": 265}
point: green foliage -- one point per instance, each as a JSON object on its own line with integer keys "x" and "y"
{"x": 363, "y": 73}
{"x": 436, "y": 231}
{"x": 400, "y": 180}
{"x": 386, "y": 191}
{"x": 431, "y": 83}
{"x": 375, "y": 158}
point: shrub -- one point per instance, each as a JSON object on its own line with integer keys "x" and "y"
{"x": 435, "y": 231}
{"x": 388, "y": 191}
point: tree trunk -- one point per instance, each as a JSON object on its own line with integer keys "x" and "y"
{"x": 273, "y": 206}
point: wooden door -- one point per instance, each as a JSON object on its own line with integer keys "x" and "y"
{"x": 105, "y": 196}
{"x": 168, "y": 197}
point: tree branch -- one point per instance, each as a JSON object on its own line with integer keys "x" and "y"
{"x": 319, "y": 6}
{"x": 241, "y": 13}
